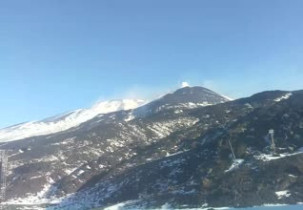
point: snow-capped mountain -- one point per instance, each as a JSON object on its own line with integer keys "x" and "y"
{"x": 187, "y": 97}
{"x": 66, "y": 121}
{"x": 183, "y": 98}
{"x": 174, "y": 150}
{"x": 98, "y": 139}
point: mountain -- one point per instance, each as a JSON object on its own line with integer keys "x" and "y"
{"x": 174, "y": 151}
{"x": 66, "y": 121}
{"x": 186, "y": 97}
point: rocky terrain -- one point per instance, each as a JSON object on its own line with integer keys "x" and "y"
{"x": 189, "y": 149}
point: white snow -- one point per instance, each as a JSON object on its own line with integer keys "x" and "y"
{"x": 236, "y": 163}
{"x": 270, "y": 157}
{"x": 286, "y": 96}
{"x": 293, "y": 176}
{"x": 166, "y": 206}
{"x": 102, "y": 166}
{"x": 181, "y": 106}
{"x": 162, "y": 130}
{"x": 130, "y": 117}
{"x": 80, "y": 172}
{"x": 69, "y": 171}
{"x": 178, "y": 111}
{"x": 174, "y": 154}
{"x": 132, "y": 205}
{"x": 227, "y": 97}
{"x": 61, "y": 123}
{"x": 283, "y": 194}
{"x": 38, "y": 198}
{"x": 248, "y": 105}
{"x": 119, "y": 206}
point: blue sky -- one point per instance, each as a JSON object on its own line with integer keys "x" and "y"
{"x": 59, "y": 55}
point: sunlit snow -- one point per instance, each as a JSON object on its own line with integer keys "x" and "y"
{"x": 236, "y": 163}
{"x": 283, "y": 194}
{"x": 270, "y": 157}
{"x": 286, "y": 96}
{"x": 65, "y": 122}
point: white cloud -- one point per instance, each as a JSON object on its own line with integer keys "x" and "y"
{"x": 184, "y": 84}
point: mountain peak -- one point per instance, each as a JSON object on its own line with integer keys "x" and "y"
{"x": 183, "y": 98}
{"x": 195, "y": 94}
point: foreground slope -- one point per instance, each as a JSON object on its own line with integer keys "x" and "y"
{"x": 201, "y": 170}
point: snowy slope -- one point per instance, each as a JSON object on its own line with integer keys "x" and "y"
{"x": 64, "y": 122}
{"x": 186, "y": 97}
{"x": 176, "y": 152}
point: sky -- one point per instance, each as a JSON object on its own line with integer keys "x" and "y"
{"x": 57, "y": 56}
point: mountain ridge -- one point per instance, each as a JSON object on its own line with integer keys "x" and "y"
{"x": 65, "y": 121}
{"x": 177, "y": 154}
{"x": 72, "y": 119}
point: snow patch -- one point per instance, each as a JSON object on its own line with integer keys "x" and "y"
{"x": 236, "y": 163}
{"x": 174, "y": 154}
{"x": 129, "y": 117}
{"x": 286, "y": 96}
{"x": 283, "y": 194}
{"x": 38, "y": 198}
{"x": 69, "y": 171}
{"x": 119, "y": 206}
{"x": 227, "y": 97}
{"x": 166, "y": 206}
{"x": 270, "y": 157}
